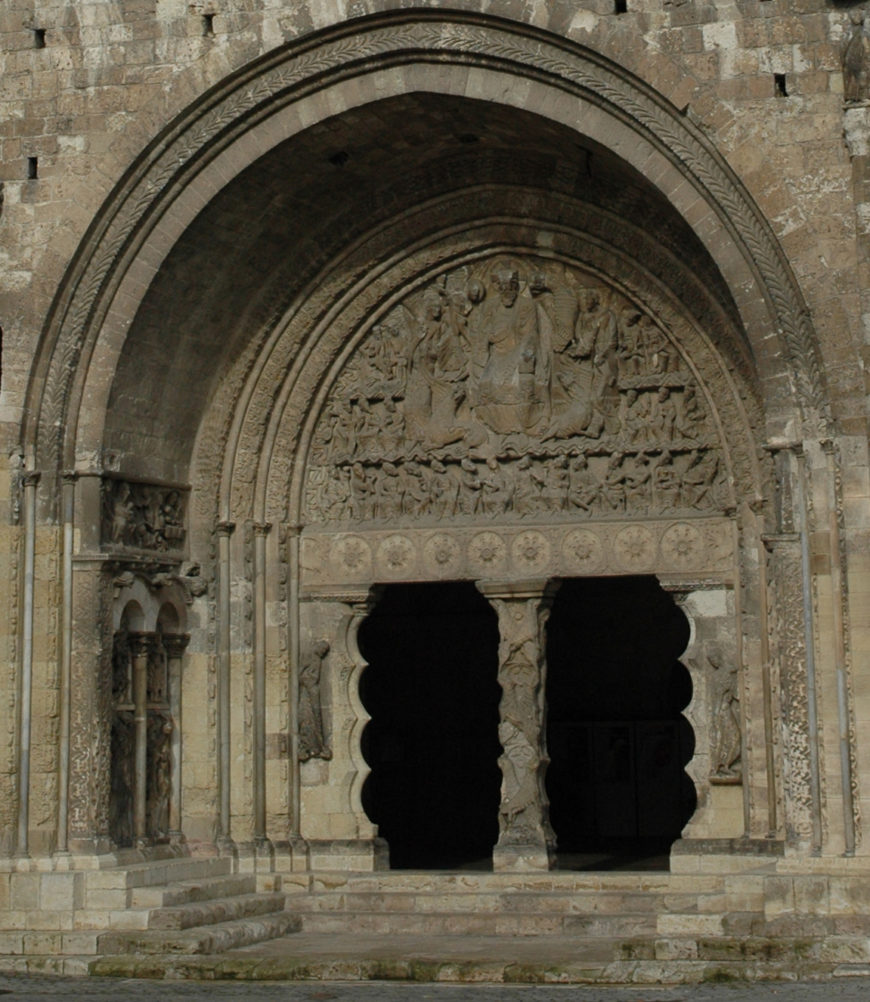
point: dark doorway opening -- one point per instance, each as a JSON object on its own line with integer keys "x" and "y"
{"x": 432, "y": 743}
{"x": 616, "y": 737}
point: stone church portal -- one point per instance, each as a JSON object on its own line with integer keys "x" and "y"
{"x": 435, "y": 439}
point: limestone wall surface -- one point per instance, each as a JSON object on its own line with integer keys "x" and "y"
{"x": 87, "y": 87}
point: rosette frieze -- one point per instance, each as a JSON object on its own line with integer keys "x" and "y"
{"x": 696, "y": 548}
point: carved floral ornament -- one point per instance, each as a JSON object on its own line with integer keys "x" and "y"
{"x": 515, "y": 389}
{"x": 701, "y": 548}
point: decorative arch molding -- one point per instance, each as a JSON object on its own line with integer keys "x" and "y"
{"x": 232, "y": 125}
{"x": 265, "y": 408}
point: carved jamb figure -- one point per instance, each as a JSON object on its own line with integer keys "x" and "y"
{"x": 726, "y": 764}
{"x": 856, "y": 60}
{"x": 122, "y": 771}
{"x": 518, "y": 763}
{"x": 312, "y": 740}
{"x": 121, "y": 669}
{"x": 159, "y": 783}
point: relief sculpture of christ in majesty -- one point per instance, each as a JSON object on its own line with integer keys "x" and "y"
{"x": 512, "y": 362}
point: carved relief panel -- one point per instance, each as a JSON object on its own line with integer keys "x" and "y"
{"x": 515, "y": 390}
{"x": 142, "y": 516}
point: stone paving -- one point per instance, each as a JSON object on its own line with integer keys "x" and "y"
{"x": 46, "y": 989}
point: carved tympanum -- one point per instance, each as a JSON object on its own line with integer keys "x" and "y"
{"x": 520, "y": 389}
{"x": 142, "y": 516}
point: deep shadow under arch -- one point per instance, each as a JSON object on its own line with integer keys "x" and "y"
{"x": 616, "y": 737}
{"x": 432, "y": 741}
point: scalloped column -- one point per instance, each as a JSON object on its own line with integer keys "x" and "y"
{"x": 338, "y": 832}
{"x": 715, "y": 712}
{"x": 526, "y": 839}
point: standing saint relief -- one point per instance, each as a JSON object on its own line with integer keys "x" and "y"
{"x": 514, "y": 389}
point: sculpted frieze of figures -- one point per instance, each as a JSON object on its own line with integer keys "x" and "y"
{"x": 142, "y": 516}
{"x": 519, "y": 389}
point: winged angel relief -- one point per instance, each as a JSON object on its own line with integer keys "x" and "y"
{"x": 514, "y": 388}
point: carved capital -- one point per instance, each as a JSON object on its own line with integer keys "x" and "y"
{"x": 140, "y": 643}
{"x": 261, "y": 528}
{"x": 225, "y": 528}
{"x": 175, "y": 644}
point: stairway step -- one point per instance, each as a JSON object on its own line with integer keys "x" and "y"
{"x": 186, "y": 891}
{"x": 164, "y": 871}
{"x": 505, "y": 903}
{"x": 212, "y": 912}
{"x": 568, "y": 882}
{"x": 479, "y": 923}
{"x": 208, "y": 939}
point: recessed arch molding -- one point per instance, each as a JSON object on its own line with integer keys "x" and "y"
{"x": 610, "y": 102}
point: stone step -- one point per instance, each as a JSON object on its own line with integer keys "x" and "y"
{"x": 207, "y": 939}
{"x": 509, "y": 903}
{"x": 211, "y": 912}
{"x": 165, "y": 871}
{"x": 479, "y": 924}
{"x": 185, "y": 891}
{"x": 571, "y": 882}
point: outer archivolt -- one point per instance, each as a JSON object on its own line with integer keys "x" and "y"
{"x": 257, "y": 92}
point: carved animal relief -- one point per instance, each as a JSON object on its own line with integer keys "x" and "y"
{"x": 512, "y": 390}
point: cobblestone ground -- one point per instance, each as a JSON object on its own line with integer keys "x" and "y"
{"x": 46, "y": 989}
